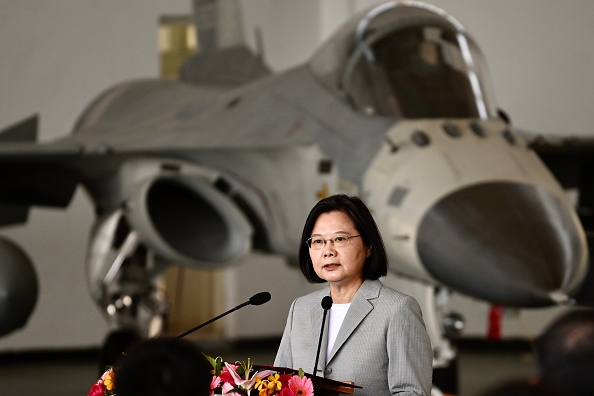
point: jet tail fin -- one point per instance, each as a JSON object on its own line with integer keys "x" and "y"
{"x": 223, "y": 57}
{"x": 218, "y": 24}
{"x": 230, "y": 66}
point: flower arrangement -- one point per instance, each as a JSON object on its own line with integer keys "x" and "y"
{"x": 104, "y": 387}
{"x": 232, "y": 380}
{"x": 243, "y": 380}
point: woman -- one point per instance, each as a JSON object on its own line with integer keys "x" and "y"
{"x": 375, "y": 336}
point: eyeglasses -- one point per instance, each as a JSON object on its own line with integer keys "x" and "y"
{"x": 338, "y": 240}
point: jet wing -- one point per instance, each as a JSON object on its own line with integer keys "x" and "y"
{"x": 30, "y": 174}
{"x": 141, "y": 118}
{"x": 161, "y": 115}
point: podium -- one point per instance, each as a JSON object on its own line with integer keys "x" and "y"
{"x": 325, "y": 386}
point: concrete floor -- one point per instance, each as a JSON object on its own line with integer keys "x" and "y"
{"x": 480, "y": 364}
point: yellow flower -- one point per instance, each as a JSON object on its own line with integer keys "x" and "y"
{"x": 269, "y": 385}
{"x": 108, "y": 381}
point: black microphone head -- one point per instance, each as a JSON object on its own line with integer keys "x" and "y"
{"x": 327, "y": 302}
{"x": 260, "y": 298}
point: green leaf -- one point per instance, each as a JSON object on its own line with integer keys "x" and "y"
{"x": 210, "y": 360}
{"x": 301, "y": 373}
{"x": 216, "y": 364}
{"x": 247, "y": 368}
{"x": 239, "y": 390}
{"x": 219, "y": 365}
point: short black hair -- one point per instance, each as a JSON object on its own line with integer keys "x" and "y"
{"x": 163, "y": 367}
{"x": 376, "y": 265}
{"x": 565, "y": 352}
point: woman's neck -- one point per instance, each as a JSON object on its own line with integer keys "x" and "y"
{"x": 344, "y": 294}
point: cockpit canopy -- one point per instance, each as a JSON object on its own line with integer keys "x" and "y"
{"x": 406, "y": 59}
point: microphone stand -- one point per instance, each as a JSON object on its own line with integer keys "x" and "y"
{"x": 326, "y": 305}
{"x": 256, "y": 299}
{"x": 210, "y": 321}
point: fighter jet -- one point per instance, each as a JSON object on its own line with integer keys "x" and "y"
{"x": 395, "y": 107}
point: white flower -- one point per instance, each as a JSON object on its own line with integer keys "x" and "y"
{"x": 246, "y": 383}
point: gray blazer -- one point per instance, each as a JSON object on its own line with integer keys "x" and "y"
{"x": 382, "y": 345}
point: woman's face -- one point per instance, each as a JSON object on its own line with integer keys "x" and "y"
{"x": 343, "y": 265}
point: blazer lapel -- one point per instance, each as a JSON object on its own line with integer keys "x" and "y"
{"x": 359, "y": 309}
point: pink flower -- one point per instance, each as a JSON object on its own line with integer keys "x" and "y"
{"x": 227, "y": 388}
{"x": 96, "y": 390}
{"x": 287, "y": 392}
{"x": 301, "y": 386}
{"x": 247, "y": 383}
{"x": 226, "y": 375}
{"x": 265, "y": 373}
{"x": 214, "y": 384}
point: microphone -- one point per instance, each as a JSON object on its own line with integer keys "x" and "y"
{"x": 256, "y": 299}
{"x": 326, "y": 305}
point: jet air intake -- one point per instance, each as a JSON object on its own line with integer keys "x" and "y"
{"x": 187, "y": 220}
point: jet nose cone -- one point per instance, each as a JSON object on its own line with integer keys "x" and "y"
{"x": 508, "y": 243}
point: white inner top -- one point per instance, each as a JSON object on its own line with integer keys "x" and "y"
{"x": 337, "y": 314}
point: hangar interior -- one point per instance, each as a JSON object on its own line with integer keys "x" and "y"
{"x": 57, "y": 56}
